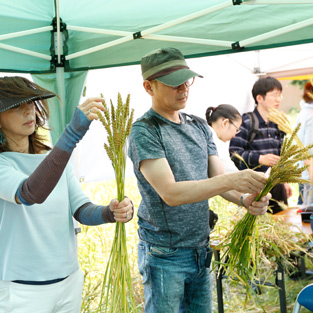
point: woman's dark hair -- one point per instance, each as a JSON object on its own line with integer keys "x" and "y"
{"x": 264, "y": 85}
{"x": 308, "y": 93}
{"x": 23, "y": 88}
{"x": 212, "y": 114}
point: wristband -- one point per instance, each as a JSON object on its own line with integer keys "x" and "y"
{"x": 241, "y": 199}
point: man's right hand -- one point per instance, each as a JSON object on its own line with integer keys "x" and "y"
{"x": 268, "y": 159}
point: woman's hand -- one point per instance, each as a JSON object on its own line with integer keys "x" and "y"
{"x": 123, "y": 211}
{"x": 91, "y": 106}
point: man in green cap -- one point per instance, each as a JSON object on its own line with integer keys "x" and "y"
{"x": 178, "y": 170}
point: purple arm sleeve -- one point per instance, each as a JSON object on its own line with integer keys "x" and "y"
{"x": 37, "y": 187}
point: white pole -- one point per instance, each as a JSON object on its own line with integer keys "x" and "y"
{"x": 58, "y": 48}
{"x": 58, "y": 33}
{"x": 100, "y": 47}
{"x": 99, "y": 31}
{"x": 146, "y": 32}
{"x": 277, "y": 2}
{"x": 26, "y": 32}
{"x": 277, "y": 32}
{"x": 187, "y": 18}
{"x": 24, "y": 51}
{"x": 199, "y": 41}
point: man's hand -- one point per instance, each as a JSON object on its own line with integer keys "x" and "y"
{"x": 257, "y": 207}
{"x": 248, "y": 181}
{"x": 268, "y": 159}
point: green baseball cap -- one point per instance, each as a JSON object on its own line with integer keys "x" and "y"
{"x": 166, "y": 65}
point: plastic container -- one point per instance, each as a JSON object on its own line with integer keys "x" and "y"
{"x": 305, "y": 217}
{"x": 306, "y": 213}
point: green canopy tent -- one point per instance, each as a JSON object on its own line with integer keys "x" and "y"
{"x": 59, "y": 41}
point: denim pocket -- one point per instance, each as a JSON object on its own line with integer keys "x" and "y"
{"x": 143, "y": 262}
{"x": 159, "y": 251}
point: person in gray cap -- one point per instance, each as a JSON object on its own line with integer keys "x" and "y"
{"x": 178, "y": 170}
{"x": 39, "y": 195}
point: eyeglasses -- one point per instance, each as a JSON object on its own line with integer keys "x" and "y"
{"x": 187, "y": 83}
{"x": 237, "y": 128}
{"x": 275, "y": 95}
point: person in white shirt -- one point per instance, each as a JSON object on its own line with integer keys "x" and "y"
{"x": 305, "y": 134}
{"x": 224, "y": 122}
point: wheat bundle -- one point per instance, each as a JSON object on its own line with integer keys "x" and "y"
{"x": 117, "y": 293}
{"x": 241, "y": 248}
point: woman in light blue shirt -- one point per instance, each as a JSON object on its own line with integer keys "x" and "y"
{"x": 39, "y": 195}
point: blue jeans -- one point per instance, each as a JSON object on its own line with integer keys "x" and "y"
{"x": 175, "y": 280}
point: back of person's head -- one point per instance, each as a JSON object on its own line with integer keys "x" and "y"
{"x": 264, "y": 85}
{"x": 228, "y": 111}
{"x": 16, "y": 90}
{"x": 308, "y": 93}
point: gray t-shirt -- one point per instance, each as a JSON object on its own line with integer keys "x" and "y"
{"x": 186, "y": 147}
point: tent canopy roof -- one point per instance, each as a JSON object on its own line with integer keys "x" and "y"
{"x": 106, "y": 33}
{"x": 57, "y": 41}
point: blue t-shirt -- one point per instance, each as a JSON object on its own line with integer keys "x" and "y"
{"x": 186, "y": 146}
{"x": 37, "y": 242}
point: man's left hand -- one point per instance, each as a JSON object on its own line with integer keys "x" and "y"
{"x": 257, "y": 207}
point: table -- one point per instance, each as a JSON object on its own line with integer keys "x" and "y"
{"x": 289, "y": 216}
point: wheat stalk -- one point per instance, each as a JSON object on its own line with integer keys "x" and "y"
{"x": 283, "y": 123}
{"x": 117, "y": 293}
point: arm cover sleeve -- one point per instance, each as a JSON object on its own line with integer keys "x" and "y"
{"x": 91, "y": 214}
{"x": 42, "y": 181}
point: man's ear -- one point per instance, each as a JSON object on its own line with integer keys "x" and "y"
{"x": 147, "y": 84}
{"x": 259, "y": 98}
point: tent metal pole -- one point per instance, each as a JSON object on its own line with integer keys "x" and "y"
{"x": 151, "y": 30}
{"x": 26, "y": 32}
{"x": 59, "y": 69}
{"x": 274, "y": 33}
{"x": 279, "y": 68}
{"x": 58, "y": 32}
{"x": 100, "y": 47}
{"x": 199, "y": 41}
{"x": 99, "y": 31}
{"x": 24, "y": 51}
{"x": 189, "y": 17}
{"x": 273, "y": 2}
